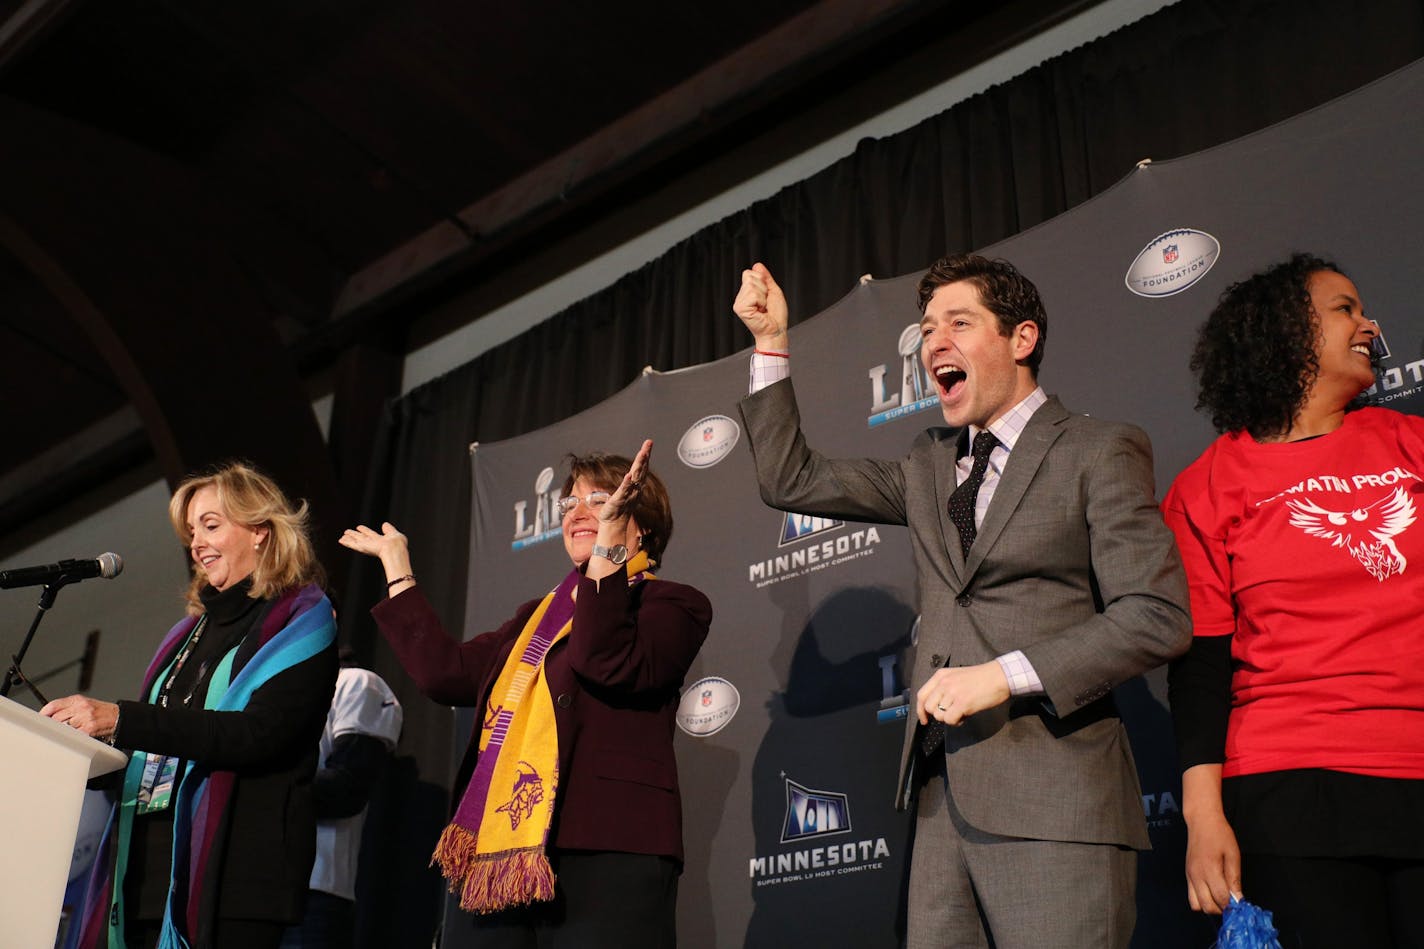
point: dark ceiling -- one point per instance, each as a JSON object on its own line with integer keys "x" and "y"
{"x": 364, "y": 160}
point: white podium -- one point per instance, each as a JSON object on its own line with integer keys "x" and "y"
{"x": 43, "y": 769}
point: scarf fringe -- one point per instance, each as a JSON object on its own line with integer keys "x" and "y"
{"x": 489, "y": 882}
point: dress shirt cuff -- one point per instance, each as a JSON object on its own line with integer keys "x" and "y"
{"x": 1019, "y": 671}
{"x": 767, "y": 369}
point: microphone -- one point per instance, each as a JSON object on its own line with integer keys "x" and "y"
{"x": 106, "y": 565}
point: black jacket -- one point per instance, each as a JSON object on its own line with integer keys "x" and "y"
{"x": 264, "y": 853}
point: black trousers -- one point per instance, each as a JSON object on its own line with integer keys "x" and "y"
{"x": 1330, "y": 902}
{"x": 601, "y": 901}
{"x": 330, "y": 923}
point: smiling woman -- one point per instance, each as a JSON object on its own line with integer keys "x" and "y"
{"x": 570, "y": 817}
{"x": 237, "y": 524}
{"x": 648, "y": 523}
{"x": 1299, "y": 709}
{"x": 224, "y": 550}
{"x": 224, "y": 734}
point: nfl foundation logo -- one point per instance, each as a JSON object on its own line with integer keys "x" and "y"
{"x": 1171, "y": 262}
{"x": 708, "y": 441}
{"x": 707, "y": 706}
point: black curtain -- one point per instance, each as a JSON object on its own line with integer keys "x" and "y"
{"x": 1191, "y": 76}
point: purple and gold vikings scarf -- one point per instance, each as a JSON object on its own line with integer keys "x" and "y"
{"x": 494, "y": 851}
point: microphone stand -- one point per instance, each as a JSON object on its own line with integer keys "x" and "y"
{"x": 47, "y": 597}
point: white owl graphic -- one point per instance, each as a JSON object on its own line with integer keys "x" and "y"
{"x": 1353, "y": 529}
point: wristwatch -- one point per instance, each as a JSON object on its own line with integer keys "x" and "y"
{"x": 617, "y": 553}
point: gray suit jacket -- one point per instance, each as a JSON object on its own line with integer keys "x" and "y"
{"x": 1072, "y": 565}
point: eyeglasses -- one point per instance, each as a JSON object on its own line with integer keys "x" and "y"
{"x": 594, "y": 501}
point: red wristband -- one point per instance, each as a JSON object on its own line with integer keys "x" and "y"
{"x": 768, "y": 352}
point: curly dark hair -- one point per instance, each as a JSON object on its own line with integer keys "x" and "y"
{"x": 1255, "y": 356}
{"x": 1004, "y": 291}
{"x": 652, "y": 509}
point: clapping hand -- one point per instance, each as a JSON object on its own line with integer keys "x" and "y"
{"x": 619, "y": 507}
{"x": 389, "y": 546}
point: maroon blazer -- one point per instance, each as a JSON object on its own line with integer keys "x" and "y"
{"x": 615, "y": 680}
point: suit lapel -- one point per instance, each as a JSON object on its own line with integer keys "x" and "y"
{"x": 1028, "y": 454}
{"x": 945, "y": 483}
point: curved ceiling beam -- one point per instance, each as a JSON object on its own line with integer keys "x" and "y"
{"x": 132, "y": 249}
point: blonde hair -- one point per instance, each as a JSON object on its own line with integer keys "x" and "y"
{"x": 284, "y": 560}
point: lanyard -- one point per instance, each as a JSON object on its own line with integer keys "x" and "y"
{"x": 193, "y": 638}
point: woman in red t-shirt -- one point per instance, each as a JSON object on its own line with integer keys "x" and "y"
{"x": 1300, "y": 707}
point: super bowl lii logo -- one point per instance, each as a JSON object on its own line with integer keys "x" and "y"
{"x": 542, "y": 523}
{"x": 916, "y": 389}
{"x": 894, "y": 700}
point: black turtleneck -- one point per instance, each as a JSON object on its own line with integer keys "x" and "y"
{"x": 231, "y": 616}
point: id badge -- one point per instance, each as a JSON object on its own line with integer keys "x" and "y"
{"x": 155, "y": 789}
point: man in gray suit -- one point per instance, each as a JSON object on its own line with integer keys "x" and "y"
{"x": 1046, "y": 577}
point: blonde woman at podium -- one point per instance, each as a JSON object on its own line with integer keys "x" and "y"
{"x": 212, "y": 839}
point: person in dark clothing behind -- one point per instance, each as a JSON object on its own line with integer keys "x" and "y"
{"x": 362, "y": 729}
{"x": 224, "y": 734}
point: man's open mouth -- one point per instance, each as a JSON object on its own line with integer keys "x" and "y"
{"x": 948, "y": 377}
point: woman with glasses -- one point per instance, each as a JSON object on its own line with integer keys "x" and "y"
{"x": 568, "y": 828}
{"x": 1299, "y": 709}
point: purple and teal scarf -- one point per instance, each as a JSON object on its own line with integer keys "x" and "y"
{"x": 298, "y": 626}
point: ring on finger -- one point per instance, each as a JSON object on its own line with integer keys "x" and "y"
{"x": 940, "y": 706}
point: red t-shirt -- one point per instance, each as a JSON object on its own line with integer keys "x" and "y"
{"x": 1312, "y": 554}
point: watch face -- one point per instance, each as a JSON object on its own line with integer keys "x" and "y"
{"x": 617, "y": 553}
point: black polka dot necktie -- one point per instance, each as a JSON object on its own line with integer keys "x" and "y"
{"x": 961, "y": 512}
{"x": 962, "y": 501}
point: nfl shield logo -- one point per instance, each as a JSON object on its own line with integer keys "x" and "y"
{"x": 707, "y": 433}
{"x": 706, "y": 697}
{"x": 1169, "y": 254}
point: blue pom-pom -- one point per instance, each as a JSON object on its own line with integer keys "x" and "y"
{"x": 1246, "y": 926}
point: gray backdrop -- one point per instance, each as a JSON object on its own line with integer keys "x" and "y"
{"x": 798, "y": 699}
